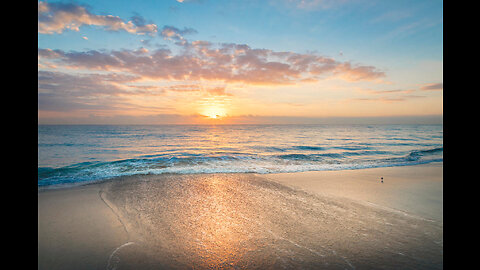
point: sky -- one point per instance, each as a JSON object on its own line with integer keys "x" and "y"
{"x": 240, "y": 62}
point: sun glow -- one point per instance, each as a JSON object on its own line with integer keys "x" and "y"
{"x": 214, "y": 112}
{"x": 214, "y": 107}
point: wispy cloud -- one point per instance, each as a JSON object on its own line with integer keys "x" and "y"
{"x": 393, "y": 16}
{"x": 394, "y": 91}
{"x": 409, "y": 29}
{"x": 57, "y": 17}
{"x": 311, "y": 4}
{"x": 432, "y": 86}
{"x": 389, "y": 96}
{"x": 175, "y": 34}
{"x": 388, "y": 99}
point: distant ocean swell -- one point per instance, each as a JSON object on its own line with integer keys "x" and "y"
{"x": 269, "y": 161}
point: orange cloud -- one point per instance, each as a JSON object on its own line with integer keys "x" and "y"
{"x": 228, "y": 63}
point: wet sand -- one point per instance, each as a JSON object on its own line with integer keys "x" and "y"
{"x": 245, "y": 221}
{"x": 76, "y": 229}
{"x": 416, "y": 190}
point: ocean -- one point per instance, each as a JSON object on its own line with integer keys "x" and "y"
{"x": 78, "y": 154}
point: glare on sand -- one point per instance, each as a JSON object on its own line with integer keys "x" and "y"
{"x": 217, "y": 221}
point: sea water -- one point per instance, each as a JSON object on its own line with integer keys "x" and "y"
{"x": 76, "y": 154}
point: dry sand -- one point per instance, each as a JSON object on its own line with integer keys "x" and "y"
{"x": 311, "y": 220}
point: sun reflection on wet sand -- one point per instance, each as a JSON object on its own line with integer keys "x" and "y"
{"x": 216, "y": 226}
{"x": 241, "y": 221}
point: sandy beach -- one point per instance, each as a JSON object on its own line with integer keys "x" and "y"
{"x": 76, "y": 229}
{"x": 416, "y": 190}
{"x": 309, "y": 220}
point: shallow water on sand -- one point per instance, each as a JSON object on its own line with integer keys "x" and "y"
{"x": 241, "y": 221}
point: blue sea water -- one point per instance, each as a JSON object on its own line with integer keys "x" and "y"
{"x": 70, "y": 154}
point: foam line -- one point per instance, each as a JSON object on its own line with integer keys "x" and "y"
{"x": 109, "y": 265}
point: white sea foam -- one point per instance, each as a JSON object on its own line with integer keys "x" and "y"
{"x": 113, "y": 259}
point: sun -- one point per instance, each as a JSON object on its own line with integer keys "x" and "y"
{"x": 214, "y": 108}
{"x": 214, "y": 112}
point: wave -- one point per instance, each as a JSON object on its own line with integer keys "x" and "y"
{"x": 428, "y": 151}
{"x": 312, "y": 157}
{"x": 417, "y": 154}
{"x": 306, "y": 147}
{"x": 233, "y": 163}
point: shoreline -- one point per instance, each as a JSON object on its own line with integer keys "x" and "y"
{"x": 101, "y": 181}
{"x": 96, "y": 226}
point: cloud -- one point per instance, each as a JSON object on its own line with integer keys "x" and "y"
{"x": 392, "y": 16}
{"x": 123, "y": 119}
{"x": 157, "y": 119}
{"x": 227, "y": 63}
{"x": 82, "y": 84}
{"x": 432, "y": 86}
{"x": 389, "y": 99}
{"x": 409, "y": 29}
{"x": 175, "y": 34}
{"x": 89, "y": 59}
{"x": 365, "y": 120}
{"x": 309, "y": 4}
{"x": 395, "y": 91}
{"x": 138, "y": 20}
{"x": 49, "y": 53}
{"x": 64, "y": 92}
{"x": 388, "y": 96}
{"x": 357, "y": 73}
{"x": 57, "y": 17}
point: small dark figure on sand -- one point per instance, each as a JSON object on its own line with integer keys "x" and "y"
{"x": 382, "y": 179}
